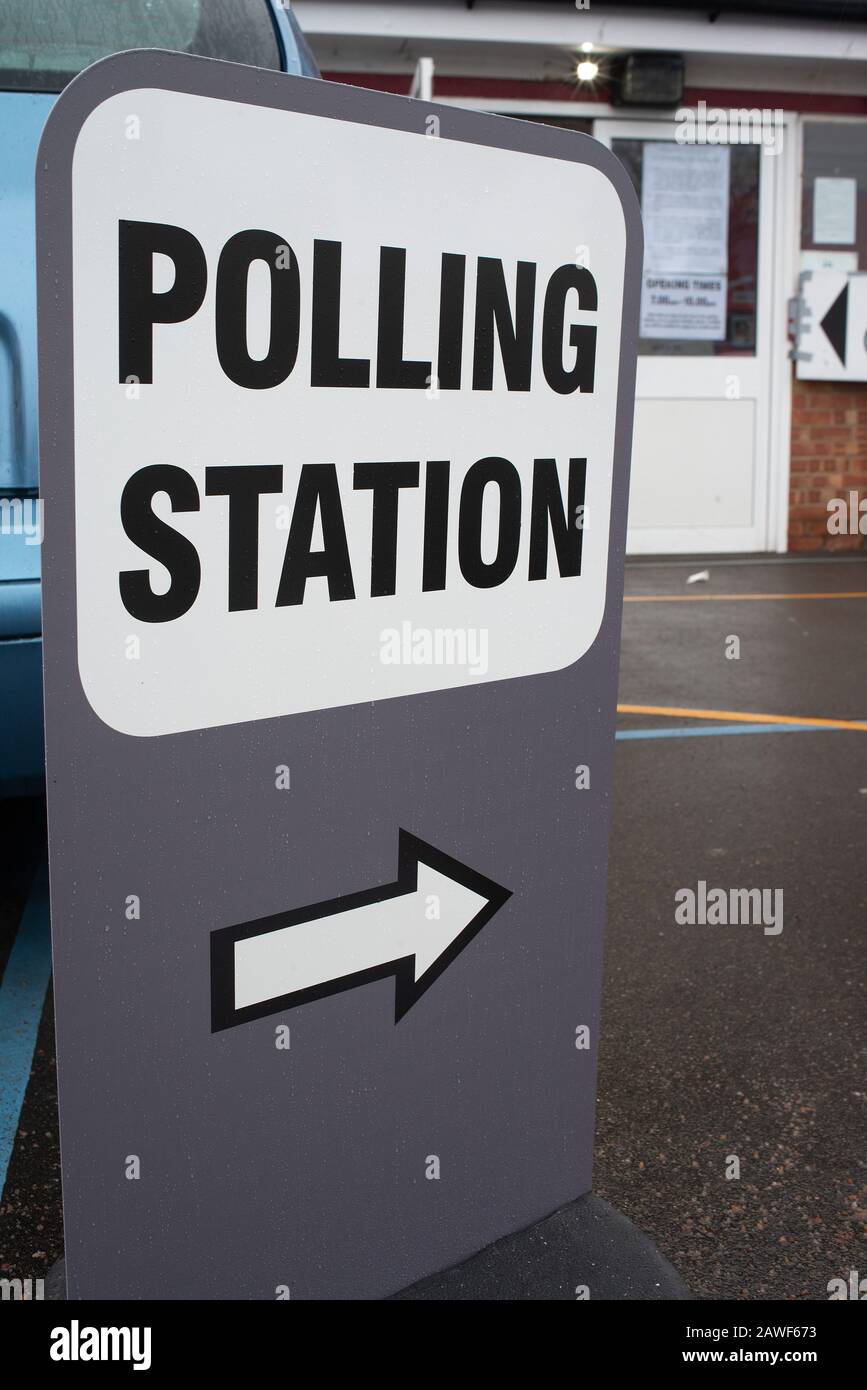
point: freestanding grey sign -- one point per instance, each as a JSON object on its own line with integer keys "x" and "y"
{"x": 336, "y": 395}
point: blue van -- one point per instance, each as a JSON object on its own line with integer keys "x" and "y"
{"x": 42, "y": 47}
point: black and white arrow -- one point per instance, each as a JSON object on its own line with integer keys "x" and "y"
{"x": 411, "y": 929}
{"x": 835, "y": 323}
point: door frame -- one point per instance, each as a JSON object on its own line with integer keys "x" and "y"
{"x": 772, "y": 385}
{"x": 787, "y": 223}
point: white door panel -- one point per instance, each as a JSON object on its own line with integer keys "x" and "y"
{"x": 694, "y": 441}
{"x": 701, "y": 451}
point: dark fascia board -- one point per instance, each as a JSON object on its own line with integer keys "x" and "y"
{"x": 827, "y": 11}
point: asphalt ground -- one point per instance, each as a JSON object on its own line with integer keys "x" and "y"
{"x": 718, "y": 1042}
{"x": 722, "y": 1040}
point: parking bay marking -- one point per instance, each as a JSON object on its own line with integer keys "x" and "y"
{"x": 711, "y": 730}
{"x": 22, "y": 996}
{"x": 730, "y": 598}
{"x": 739, "y": 717}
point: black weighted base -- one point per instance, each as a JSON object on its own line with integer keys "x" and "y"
{"x": 587, "y": 1243}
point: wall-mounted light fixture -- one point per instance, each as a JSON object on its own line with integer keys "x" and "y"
{"x": 588, "y": 69}
{"x": 647, "y": 79}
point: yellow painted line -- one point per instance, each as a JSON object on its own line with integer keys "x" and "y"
{"x": 738, "y": 717}
{"x": 729, "y": 598}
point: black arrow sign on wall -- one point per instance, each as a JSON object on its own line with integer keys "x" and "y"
{"x": 834, "y": 323}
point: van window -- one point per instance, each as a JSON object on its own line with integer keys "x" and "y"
{"x": 44, "y": 43}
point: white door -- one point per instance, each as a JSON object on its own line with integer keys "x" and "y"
{"x": 702, "y": 446}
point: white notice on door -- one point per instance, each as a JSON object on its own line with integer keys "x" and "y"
{"x": 685, "y": 207}
{"x": 834, "y": 212}
{"x": 683, "y": 306}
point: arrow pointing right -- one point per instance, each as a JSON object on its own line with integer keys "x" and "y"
{"x": 412, "y": 929}
{"x": 835, "y": 321}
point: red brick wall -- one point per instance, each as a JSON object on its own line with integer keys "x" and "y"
{"x": 829, "y": 459}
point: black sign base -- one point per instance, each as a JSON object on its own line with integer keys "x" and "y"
{"x": 586, "y": 1245}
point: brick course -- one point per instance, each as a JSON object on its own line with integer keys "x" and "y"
{"x": 828, "y": 459}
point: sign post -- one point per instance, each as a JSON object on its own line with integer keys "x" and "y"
{"x": 336, "y": 394}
